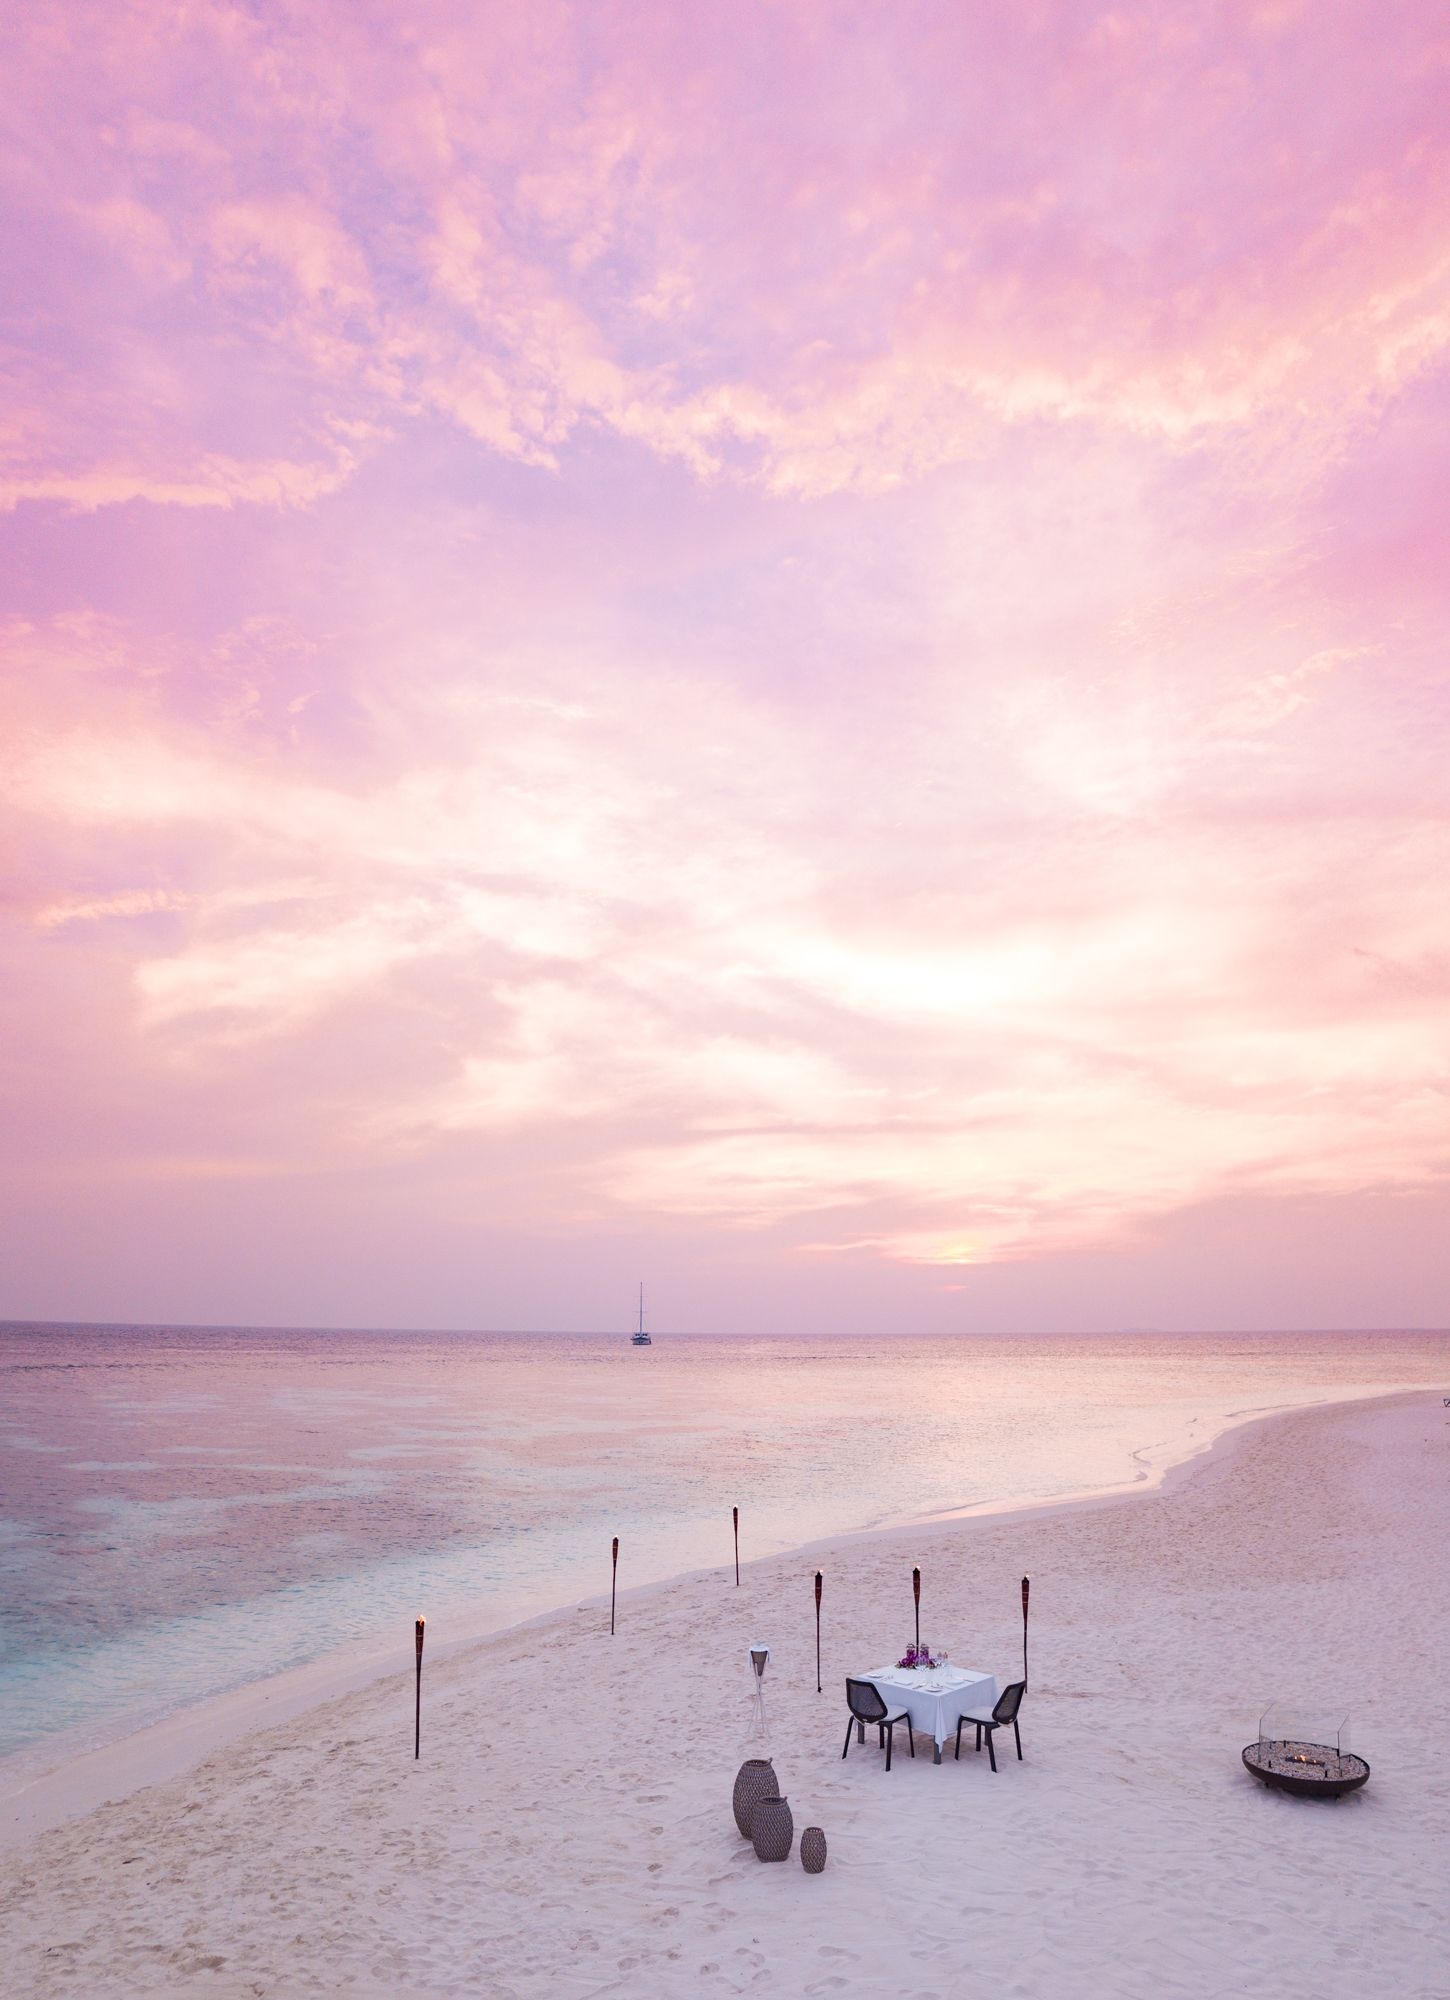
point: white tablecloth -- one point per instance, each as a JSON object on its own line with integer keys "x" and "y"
{"x": 934, "y": 1697}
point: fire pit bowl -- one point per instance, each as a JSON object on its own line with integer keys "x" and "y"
{"x": 1308, "y": 1770}
{"x": 1306, "y": 1752}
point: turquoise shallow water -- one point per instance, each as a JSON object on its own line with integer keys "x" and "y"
{"x": 184, "y": 1510}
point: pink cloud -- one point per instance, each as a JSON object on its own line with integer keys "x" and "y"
{"x": 911, "y": 272}
{"x": 809, "y": 628}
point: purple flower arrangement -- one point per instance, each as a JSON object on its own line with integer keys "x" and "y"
{"x": 918, "y": 1656}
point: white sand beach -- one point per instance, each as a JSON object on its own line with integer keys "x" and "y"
{"x": 568, "y": 1829}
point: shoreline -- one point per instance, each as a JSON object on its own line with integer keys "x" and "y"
{"x": 48, "y": 1784}
{"x": 567, "y": 1833}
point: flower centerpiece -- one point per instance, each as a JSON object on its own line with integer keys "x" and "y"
{"x": 918, "y": 1656}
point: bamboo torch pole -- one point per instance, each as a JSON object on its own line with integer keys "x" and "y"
{"x": 418, "y": 1690}
{"x": 735, "y": 1517}
{"x": 916, "y": 1593}
{"x": 1026, "y": 1592}
{"x": 613, "y": 1580}
{"x": 818, "y": 1631}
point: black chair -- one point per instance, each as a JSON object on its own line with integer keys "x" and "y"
{"x": 866, "y": 1705}
{"x": 1008, "y": 1703}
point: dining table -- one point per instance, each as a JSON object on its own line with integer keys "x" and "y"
{"x": 934, "y": 1697}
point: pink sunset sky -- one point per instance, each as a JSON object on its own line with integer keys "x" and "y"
{"x": 796, "y": 649}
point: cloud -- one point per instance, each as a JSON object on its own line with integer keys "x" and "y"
{"x": 831, "y": 304}
{"x": 714, "y": 625}
{"x": 211, "y": 481}
{"x": 686, "y": 978}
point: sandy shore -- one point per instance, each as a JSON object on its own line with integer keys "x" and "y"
{"x": 568, "y": 1830}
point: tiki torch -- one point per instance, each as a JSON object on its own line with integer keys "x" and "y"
{"x": 818, "y": 1631}
{"x": 916, "y": 1593}
{"x": 613, "y": 1579}
{"x": 1026, "y": 1592}
{"x": 418, "y": 1690}
{"x": 735, "y": 1516}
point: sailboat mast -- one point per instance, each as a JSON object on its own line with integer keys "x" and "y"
{"x": 641, "y": 1305}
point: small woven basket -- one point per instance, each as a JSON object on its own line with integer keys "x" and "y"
{"x": 813, "y": 1850}
{"x": 772, "y": 1830}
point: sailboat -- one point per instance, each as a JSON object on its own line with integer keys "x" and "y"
{"x": 639, "y": 1338}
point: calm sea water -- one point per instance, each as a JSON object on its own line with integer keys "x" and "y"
{"x": 188, "y": 1509}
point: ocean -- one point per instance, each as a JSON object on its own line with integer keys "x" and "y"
{"x": 184, "y": 1510}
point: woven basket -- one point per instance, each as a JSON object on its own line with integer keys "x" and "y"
{"x": 754, "y": 1781}
{"x": 772, "y": 1830}
{"x": 813, "y": 1850}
